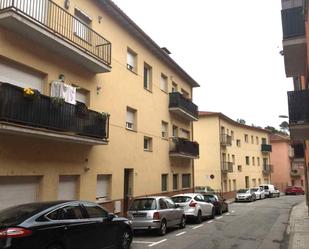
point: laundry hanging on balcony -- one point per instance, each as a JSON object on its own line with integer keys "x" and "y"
{"x": 65, "y": 91}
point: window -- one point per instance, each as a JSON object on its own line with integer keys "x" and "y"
{"x": 175, "y": 131}
{"x": 81, "y": 25}
{"x": 131, "y": 119}
{"x": 164, "y": 130}
{"x": 230, "y": 185}
{"x": 252, "y": 139}
{"x": 164, "y": 182}
{"x": 246, "y": 138}
{"x": 147, "y": 143}
{"x": 238, "y": 143}
{"x": 147, "y": 77}
{"x": 239, "y": 168}
{"x": 257, "y": 140}
{"x": 169, "y": 202}
{"x": 131, "y": 60}
{"x": 103, "y": 187}
{"x": 260, "y": 182}
{"x": 232, "y": 135}
{"x": 234, "y": 184}
{"x": 233, "y": 159}
{"x": 164, "y": 83}
{"x": 186, "y": 180}
{"x": 174, "y": 87}
{"x": 247, "y": 160}
{"x": 264, "y": 141}
{"x": 185, "y": 134}
{"x": 175, "y": 181}
{"x": 95, "y": 211}
{"x": 185, "y": 93}
{"x": 258, "y": 161}
{"x": 162, "y": 204}
{"x": 70, "y": 212}
{"x": 253, "y": 161}
{"x": 227, "y": 131}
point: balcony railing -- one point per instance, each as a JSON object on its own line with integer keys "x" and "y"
{"x": 293, "y": 22}
{"x": 185, "y": 107}
{"x": 227, "y": 167}
{"x": 267, "y": 169}
{"x": 58, "y": 21}
{"x": 298, "y": 107}
{"x": 42, "y": 112}
{"x": 297, "y": 172}
{"x": 267, "y": 148}
{"x": 225, "y": 140}
{"x": 181, "y": 147}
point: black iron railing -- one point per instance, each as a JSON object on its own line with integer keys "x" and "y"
{"x": 298, "y": 107}
{"x": 177, "y": 100}
{"x": 267, "y": 168}
{"x": 58, "y": 21}
{"x": 293, "y": 22}
{"x": 266, "y": 148}
{"x": 225, "y": 139}
{"x": 185, "y": 147}
{"x": 227, "y": 167}
{"x": 299, "y": 151}
{"x": 42, "y": 112}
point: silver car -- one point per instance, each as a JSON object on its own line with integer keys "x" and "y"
{"x": 195, "y": 206}
{"x": 259, "y": 193}
{"x": 156, "y": 212}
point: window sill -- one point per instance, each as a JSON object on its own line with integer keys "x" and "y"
{"x": 163, "y": 91}
{"x": 130, "y": 130}
{"x": 102, "y": 201}
{"x": 164, "y": 138}
{"x": 132, "y": 71}
{"x": 148, "y": 150}
{"x": 148, "y": 90}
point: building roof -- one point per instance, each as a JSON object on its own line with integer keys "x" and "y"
{"x": 279, "y": 138}
{"x": 226, "y": 118}
{"x": 127, "y": 23}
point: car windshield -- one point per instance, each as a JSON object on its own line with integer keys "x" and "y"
{"x": 17, "y": 214}
{"x": 144, "y": 204}
{"x": 181, "y": 199}
{"x": 210, "y": 198}
{"x": 242, "y": 191}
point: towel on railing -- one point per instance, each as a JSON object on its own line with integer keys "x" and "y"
{"x": 61, "y": 90}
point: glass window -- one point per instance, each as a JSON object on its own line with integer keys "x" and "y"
{"x": 95, "y": 211}
{"x": 131, "y": 60}
{"x": 247, "y": 160}
{"x": 162, "y": 204}
{"x": 144, "y": 204}
{"x": 71, "y": 212}
{"x": 130, "y": 122}
{"x": 147, "y": 144}
{"x": 238, "y": 143}
{"x": 186, "y": 180}
{"x": 175, "y": 181}
{"x": 81, "y": 25}
{"x": 174, "y": 87}
{"x": 170, "y": 203}
{"x": 164, "y": 83}
{"x": 164, "y": 129}
{"x": 246, "y": 138}
{"x": 175, "y": 131}
{"x": 164, "y": 182}
{"x": 147, "y": 77}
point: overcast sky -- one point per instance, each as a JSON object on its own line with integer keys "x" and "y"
{"x": 230, "y": 47}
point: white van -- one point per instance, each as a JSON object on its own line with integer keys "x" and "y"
{"x": 270, "y": 190}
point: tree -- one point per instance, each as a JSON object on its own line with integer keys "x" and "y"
{"x": 284, "y": 126}
{"x": 241, "y": 121}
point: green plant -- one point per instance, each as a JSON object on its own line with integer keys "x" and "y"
{"x": 57, "y": 101}
{"x": 103, "y": 115}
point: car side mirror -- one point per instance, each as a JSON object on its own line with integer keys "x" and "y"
{"x": 109, "y": 217}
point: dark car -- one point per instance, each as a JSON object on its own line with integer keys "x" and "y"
{"x": 62, "y": 225}
{"x": 293, "y": 190}
{"x": 218, "y": 201}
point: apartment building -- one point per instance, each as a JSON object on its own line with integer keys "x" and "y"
{"x": 295, "y": 29}
{"x": 233, "y": 155}
{"x": 287, "y": 161}
{"x": 129, "y": 132}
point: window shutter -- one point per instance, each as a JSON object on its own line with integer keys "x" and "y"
{"x": 130, "y": 59}
{"x": 130, "y": 116}
{"x": 102, "y": 186}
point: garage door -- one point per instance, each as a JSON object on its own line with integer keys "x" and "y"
{"x": 67, "y": 189}
{"x": 18, "y": 190}
{"x": 20, "y": 76}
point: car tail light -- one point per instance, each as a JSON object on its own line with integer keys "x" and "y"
{"x": 156, "y": 216}
{"x": 14, "y": 232}
{"x": 192, "y": 204}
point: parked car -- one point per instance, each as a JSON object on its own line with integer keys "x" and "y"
{"x": 259, "y": 193}
{"x": 63, "y": 225}
{"x": 270, "y": 190}
{"x": 156, "y": 212}
{"x": 218, "y": 201}
{"x": 246, "y": 194}
{"x": 203, "y": 189}
{"x": 195, "y": 206}
{"x": 293, "y": 190}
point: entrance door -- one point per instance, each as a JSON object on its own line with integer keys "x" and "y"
{"x": 128, "y": 186}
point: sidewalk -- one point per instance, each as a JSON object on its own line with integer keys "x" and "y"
{"x": 298, "y": 228}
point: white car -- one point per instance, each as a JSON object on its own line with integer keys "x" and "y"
{"x": 195, "y": 206}
{"x": 270, "y": 190}
{"x": 259, "y": 193}
{"x": 245, "y": 194}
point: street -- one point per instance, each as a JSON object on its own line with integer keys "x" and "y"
{"x": 256, "y": 225}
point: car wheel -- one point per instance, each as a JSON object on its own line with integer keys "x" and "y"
{"x": 125, "y": 240}
{"x": 199, "y": 217}
{"x": 182, "y": 222}
{"x": 227, "y": 208}
{"x": 162, "y": 230}
{"x": 213, "y": 213}
{"x": 55, "y": 246}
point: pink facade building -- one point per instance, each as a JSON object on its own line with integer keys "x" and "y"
{"x": 287, "y": 161}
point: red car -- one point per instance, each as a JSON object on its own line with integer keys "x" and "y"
{"x": 293, "y": 190}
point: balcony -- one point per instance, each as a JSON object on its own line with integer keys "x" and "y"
{"x": 227, "y": 167}
{"x": 183, "y": 148}
{"x": 41, "y": 117}
{"x": 225, "y": 140}
{"x": 299, "y": 114}
{"x": 266, "y": 148}
{"x": 51, "y": 26}
{"x": 183, "y": 107}
{"x": 294, "y": 40}
{"x": 267, "y": 169}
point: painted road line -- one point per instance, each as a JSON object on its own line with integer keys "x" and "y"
{"x": 211, "y": 221}
{"x": 178, "y": 234}
{"x": 197, "y": 227}
{"x": 156, "y": 243}
{"x": 218, "y": 218}
{"x": 232, "y": 211}
{"x": 141, "y": 242}
{"x": 227, "y": 214}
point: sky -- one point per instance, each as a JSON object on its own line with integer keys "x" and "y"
{"x": 230, "y": 47}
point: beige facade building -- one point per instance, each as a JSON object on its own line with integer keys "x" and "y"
{"x": 91, "y": 50}
{"x": 232, "y": 155}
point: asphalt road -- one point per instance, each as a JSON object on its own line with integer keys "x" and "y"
{"x": 256, "y": 225}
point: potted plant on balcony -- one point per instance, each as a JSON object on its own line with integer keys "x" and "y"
{"x": 31, "y": 94}
{"x": 57, "y": 101}
{"x": 103, "y": 115}
{"x": 81, "y": 109}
